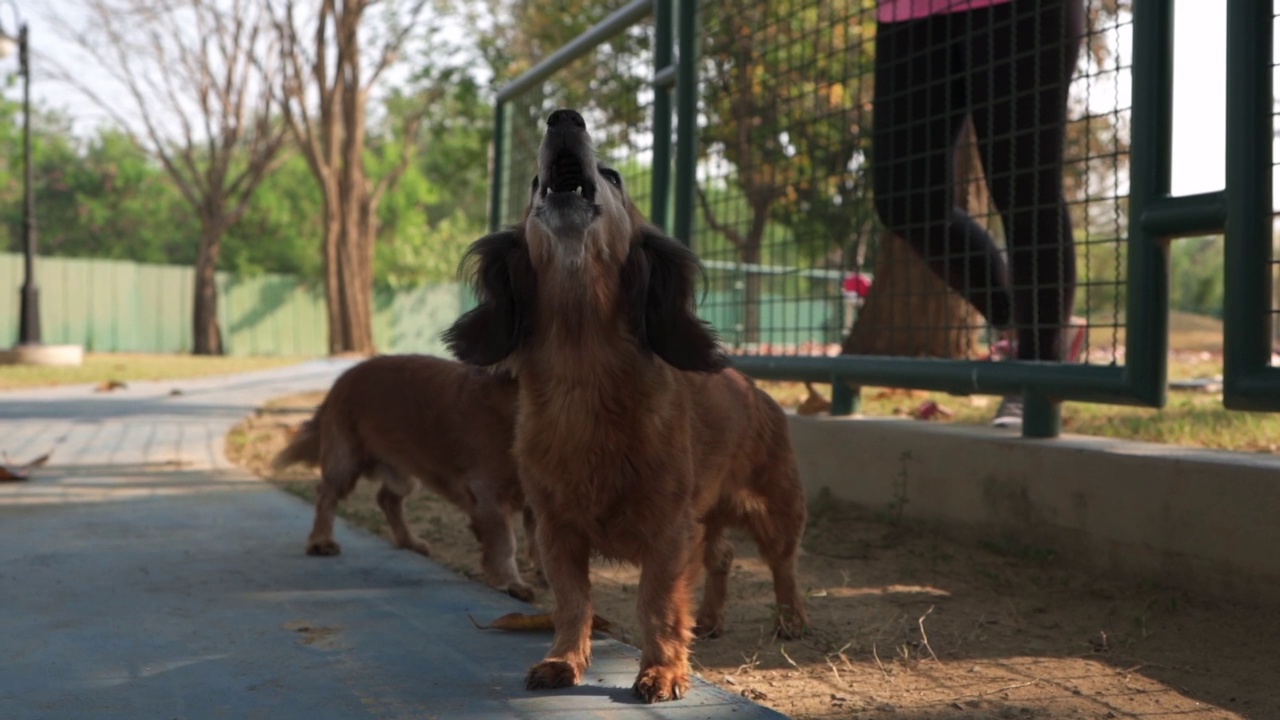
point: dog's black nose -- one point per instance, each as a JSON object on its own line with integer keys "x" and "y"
{"x": 566, "y": 116}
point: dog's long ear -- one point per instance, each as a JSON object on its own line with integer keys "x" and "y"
{"x": 658, "y": 283}
{"x": 503, "y": 278}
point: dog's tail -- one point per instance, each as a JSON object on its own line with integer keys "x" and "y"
{"x": 303, "y": 448}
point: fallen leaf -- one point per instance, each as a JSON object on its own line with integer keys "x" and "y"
{"x": 814, "y": 404}
{"x": 109, "y": 385}
{"x": 38, "y": 462}
{"x": 930, "y": 410}
{"x": 22, "y": 472}
{"x": 542, "y": 622}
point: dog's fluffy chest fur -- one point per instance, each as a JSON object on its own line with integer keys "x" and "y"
{"x": 588, "y": 453}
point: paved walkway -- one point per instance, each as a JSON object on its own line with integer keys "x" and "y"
{"x": 141, "y": 576}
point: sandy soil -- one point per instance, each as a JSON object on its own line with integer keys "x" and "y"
{"x": 909, "y": 624}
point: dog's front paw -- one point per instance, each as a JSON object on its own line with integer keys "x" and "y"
{"x": 790, "y": 625}
{"x": 323, "y": 548}
{"x": 658, "y": 684}
{"x": 708, "y": 627}
{"x": 419, "y": 546}
{"x": 520, "y": 591}
{"x": 550, "y": 674}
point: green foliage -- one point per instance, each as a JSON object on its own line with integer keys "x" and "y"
{"x": 439, "y": 205}
{"x": 512, "y": 35}
{"x": 802, "y": 157}
{"x": 282, "y": 229}
{"x": 426, "y": 252}
{"x": 1197, "y": 270}
{"x": 1101, "y": 268}
{"x": 99, "y": 198}
{"x": 106, "y": 197}
{"x": 1195, "y": 284}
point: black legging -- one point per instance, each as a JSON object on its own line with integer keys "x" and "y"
{"x": 1009, "y": 67}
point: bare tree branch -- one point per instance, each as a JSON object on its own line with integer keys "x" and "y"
{"x": 206, "y": 105}
{"x": 392, "y": 48}
{"x": 728, "y": 231}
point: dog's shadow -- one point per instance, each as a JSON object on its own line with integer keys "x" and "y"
{"x": 619, "y": 695}
{"x": 602, "y": 687}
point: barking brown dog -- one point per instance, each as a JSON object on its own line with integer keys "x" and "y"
{"x": 633, "y": 441}
{"x": 399, "y": 417}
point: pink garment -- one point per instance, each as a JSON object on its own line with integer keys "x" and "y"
{"x": 899, "y": 10}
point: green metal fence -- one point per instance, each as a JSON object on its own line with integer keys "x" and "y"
{"x": 120, "y": 306}
{"x": 761, "y": 157}
{"x": 1245, "y": 209}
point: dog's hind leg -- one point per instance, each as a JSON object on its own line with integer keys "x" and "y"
{"x": 531, "y": 545}
{"x": 566, "y": 559}
{"x": 395, "y": 488}
{"x": 338, "y": 476}
{"x": 717, "y": 560}
{"x": 777, "y": 530}
{"x": 491, "y": 523}
{"x": 667, "y": 571}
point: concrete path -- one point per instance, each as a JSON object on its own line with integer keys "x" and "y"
{"x": 141, "y": 576}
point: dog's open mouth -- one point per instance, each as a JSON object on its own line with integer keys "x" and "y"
{"x": 566, "y": 175}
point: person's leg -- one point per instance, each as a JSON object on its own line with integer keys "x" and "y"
{"x": 920, "y": 106}
{"x": 1022, "y": 65}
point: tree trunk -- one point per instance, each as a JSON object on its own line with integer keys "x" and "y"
{"x": 910, "y": 311}
{"x": 355, "y": 246}
{"x": 751, "y": 252}
{"x": 752, "y": 282}
{"x": 355, "y": 295}
{"x": 339, "y": 339}
{"x": 206, "y": 332}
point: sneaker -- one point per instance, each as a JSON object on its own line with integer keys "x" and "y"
{"x": 1009, "y": 414}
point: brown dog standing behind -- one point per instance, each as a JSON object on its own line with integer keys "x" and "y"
{"x": 398, "y": 417}
{"x": 633, "y": 441}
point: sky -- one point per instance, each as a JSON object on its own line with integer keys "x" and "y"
{"x": 1199, "y": 96}
{"x": 1199, "y": 83}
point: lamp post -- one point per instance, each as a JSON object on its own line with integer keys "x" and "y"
{"x": 29, "y": 318}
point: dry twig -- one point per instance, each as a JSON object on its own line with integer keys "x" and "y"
{"x": 924, "y": 637}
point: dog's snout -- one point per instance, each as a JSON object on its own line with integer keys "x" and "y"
{"x": 566, "y": 163}
{"x": 566, "y": 119}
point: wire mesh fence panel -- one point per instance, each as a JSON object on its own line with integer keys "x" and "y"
{"x": 610, "y": 86}
{"x": 1274, "y": 264}
{"x": 877, "y": 180}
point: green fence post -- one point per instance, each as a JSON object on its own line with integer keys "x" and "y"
{"x": 1041, "y": 415}
{"x": 1147, "y": 286}
{"x": 664, "y": 76}
{"x": 499, "y": 146}
{"x": 687, "y": 119}
{"x": 845, "y": 398}
{"x": 1247, "y": 259}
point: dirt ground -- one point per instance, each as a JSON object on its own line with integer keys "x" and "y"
{"x": 911, "y": 625}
